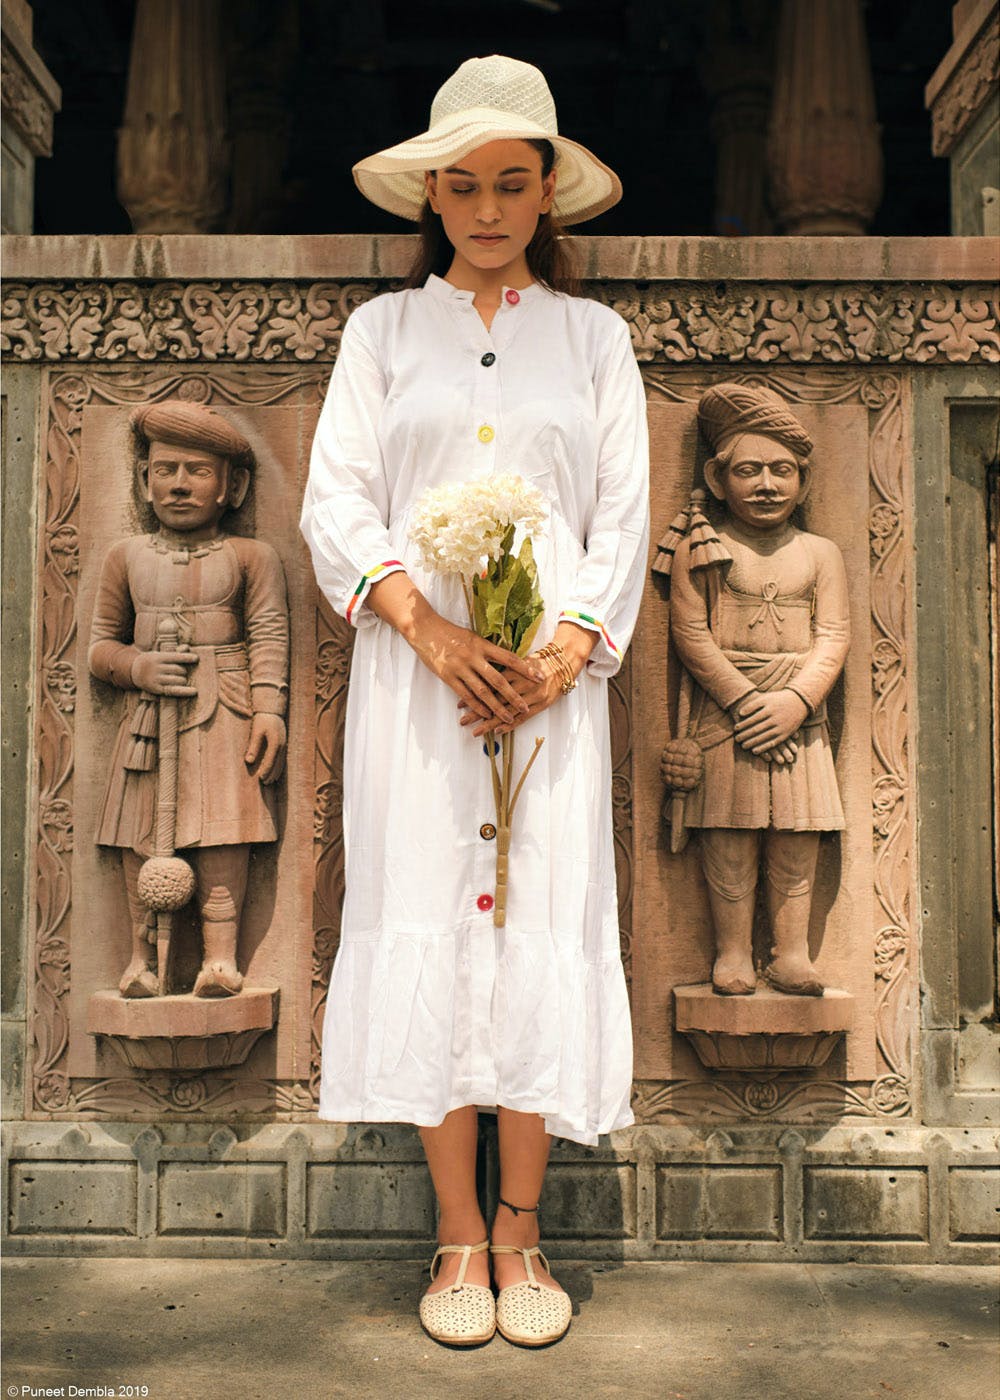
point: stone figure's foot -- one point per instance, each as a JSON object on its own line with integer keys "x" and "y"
{"x": 218, "y": 978}
{"x": 734, "y": 976}
{"x": 139, "y": 980}
{"x": 797, "y": 976}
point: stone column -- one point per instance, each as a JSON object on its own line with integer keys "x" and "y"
{"x": 173, "y": 156}
{"x": 736, "y": 73}
{"x": 31, "y": 97}
{"x": 964, "y": 100}
{"x": 261, "y": 44}
{"x": 824, "y": 156}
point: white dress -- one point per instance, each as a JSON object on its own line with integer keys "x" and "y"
{"x": 430, "y": 1007}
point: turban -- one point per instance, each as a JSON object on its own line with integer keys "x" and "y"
{"x": 192, "y": 425}
{"x": 728, "y": 409}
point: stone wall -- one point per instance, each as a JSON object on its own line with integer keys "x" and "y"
{"x": 887, "y": 350}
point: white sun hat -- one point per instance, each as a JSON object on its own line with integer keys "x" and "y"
{"x": 488, "y": 99}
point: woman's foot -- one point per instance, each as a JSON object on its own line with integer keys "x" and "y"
{"x": 532, "y": 1309}
{"x": 522, "y": 1232}
{"x": 464, "y": 1314}
{"x": 477, "y": 1270}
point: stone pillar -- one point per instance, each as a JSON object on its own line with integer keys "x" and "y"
{"x": 31, "y": 97}
{"x": 261, "y": 44}
{"x": 736, "y": 73}
{"x": 824, "y": 155}
{"x": 964, "y": 100}
{"x": 173, "y": 156}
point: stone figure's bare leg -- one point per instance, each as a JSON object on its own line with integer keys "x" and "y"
{"x": 524, "y": 1155}
{"x": 221, "y": 872}
{"x": 451, "y": 1157}
{"x": 730, "y": 858}
{"x": 139, "y": 979}
{"x": 790, "y": 860}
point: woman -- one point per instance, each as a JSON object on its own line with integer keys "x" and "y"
{"x": 483, "y": 365}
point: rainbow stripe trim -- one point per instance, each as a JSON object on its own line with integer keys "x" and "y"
{"x": 390, "y": 566}
{"x": 594, "y": 622}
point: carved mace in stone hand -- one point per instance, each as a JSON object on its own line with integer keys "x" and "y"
{"x": 166, "y": 881}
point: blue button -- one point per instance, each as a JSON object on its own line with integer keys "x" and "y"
{"x": 486, "y": 746}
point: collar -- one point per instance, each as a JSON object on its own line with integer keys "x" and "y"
{"x": 444, "y": 291}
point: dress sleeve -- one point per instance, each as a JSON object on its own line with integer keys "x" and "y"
{"x": 346, "y": 506}
{"x": 610, "y": 577}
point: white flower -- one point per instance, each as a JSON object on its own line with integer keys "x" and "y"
{"x": 460, "y": 525}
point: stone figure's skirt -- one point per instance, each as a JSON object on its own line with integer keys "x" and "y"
{"x": 741, "y": 790}
{"x": 219, "y": 801}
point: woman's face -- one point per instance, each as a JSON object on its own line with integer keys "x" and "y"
{"x": 490, "y": 202}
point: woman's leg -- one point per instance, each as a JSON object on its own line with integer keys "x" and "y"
{"x": 524, "y": 1155}
{"x": 451, "y": 1157}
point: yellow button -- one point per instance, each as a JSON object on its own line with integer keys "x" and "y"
{"x": 486, "y": 433}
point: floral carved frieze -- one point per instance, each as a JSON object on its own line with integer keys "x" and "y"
{"x": 259, "y": 322}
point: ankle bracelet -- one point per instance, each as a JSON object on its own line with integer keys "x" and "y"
{"x": 518, "y": 1210}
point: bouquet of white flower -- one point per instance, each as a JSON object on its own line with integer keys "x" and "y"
{"x": 469, "y": 529}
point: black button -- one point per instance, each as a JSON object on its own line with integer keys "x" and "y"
{"x": 488, "y": 359}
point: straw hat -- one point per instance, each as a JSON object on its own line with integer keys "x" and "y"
{"x": 488, "y": 99}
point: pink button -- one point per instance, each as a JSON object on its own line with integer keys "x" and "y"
{"x": 485, "y": 902}
{"x": 512, "y": 297}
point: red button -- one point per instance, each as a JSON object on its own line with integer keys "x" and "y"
{"x": 512, "y": 296}
{"x": 485, "y": 902}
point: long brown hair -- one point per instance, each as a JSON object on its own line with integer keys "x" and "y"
{"x": 550, "y": 255}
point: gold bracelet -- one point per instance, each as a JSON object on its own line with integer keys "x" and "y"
{"x": 553, "y": 652}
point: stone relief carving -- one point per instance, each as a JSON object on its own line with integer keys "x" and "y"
{"x": 24, "y": 106}
{"x": 217, "y": 1092}
{"x": 192, "y": 623}
{"x": 759, "y": 619}
{"x": 285, "y": 321}
{"x": 165, "y": 1087}
{"x": 967, "y": 89}
{"x": 765, "y": 1094}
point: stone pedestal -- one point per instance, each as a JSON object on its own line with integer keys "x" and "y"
{"x": 767, "y": 1031}
{"x": 823, "y": 149}
{"x": 31, "y": 97}
{"x": 186, "y": 1032}
{"x": 963, "y": 96}
{"x": 173, "y": 156}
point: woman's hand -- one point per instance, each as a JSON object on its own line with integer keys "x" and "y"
{"x": 577, "y": 643}
{"x": 475, "y": 670}
{"x": 471, "y": 666}
{"x": 767, "y": 720}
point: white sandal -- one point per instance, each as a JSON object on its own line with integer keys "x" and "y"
{"x": 464, "y": 1314}
{"x": 531, "y": 1314}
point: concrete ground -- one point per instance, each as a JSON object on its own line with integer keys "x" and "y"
{"x": 229, "y": 1329}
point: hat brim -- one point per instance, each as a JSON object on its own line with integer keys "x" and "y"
{"x": 394, "y": 178}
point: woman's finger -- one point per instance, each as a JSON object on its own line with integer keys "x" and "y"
{"x": 530, "y": 669}
{"x": 487, "y": 696}
{"x": 496, "y": 680}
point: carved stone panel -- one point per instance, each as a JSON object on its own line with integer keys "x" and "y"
{"x": 863, "y": 882}
{"x": 81, "y": 918}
